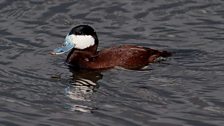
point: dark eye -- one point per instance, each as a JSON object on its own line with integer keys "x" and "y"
{"x": 79, "y": 33}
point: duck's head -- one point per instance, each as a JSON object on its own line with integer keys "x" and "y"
{"x": 80, "y": 37}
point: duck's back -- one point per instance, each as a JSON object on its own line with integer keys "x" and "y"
{"x": 126, "y": 56}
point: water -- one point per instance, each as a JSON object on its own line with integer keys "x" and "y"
{"x": 37, "y": 89}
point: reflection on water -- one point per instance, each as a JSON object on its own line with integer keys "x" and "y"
{"x": 81, "y": 87}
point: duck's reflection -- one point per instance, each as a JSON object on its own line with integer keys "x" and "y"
{"x": 81, "y": 88}
{"x": 83, "y": 84}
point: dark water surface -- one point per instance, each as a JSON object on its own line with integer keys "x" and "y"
{"x": 37, "y": 89}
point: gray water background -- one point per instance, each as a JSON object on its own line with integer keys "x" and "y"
{"x": 37, "y": 89}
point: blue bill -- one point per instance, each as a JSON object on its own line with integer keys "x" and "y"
{"x": 67, "y": 46}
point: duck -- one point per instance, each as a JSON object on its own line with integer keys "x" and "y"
{"x": 82, "y": 43}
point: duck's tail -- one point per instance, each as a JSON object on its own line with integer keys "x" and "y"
{"x": 165, "y": 54}
{"x": 156, "y": 55}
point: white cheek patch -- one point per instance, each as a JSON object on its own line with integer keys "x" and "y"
{"x": 81, "y": 41}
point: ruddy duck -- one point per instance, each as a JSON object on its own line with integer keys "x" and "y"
{"x": 82, "y": 40}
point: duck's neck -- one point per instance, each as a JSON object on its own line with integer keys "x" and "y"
{"x": 92, "y": 49}
{"x": 77, "y": 55}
